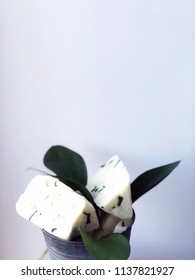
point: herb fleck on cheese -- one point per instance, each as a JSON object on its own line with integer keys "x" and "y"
{"x": 120, "y": 199}
{"x": 88, "y": 217}
{"x": 32, "y": 215}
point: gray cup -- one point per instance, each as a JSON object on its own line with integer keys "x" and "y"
{"x": 60, "y": 249}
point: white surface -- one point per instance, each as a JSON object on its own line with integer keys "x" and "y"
{"x": 100, "y": 77}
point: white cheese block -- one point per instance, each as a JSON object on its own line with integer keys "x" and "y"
{"x": 55, "y": 207}
{"x": 110, "y": 188}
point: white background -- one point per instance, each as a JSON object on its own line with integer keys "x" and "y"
{"x": 102, "y": 78}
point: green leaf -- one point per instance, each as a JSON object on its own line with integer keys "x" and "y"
{"x": 113, "y": 247}
{"x": 70, "y": 169}
{"x": 150, "y": 179}
{"x": 67, "y": 165}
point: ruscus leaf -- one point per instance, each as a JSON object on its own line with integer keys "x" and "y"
{"x": 150, "y": 179}
{"x": 112, "y": 247}
{"x": 67, "y": 165}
